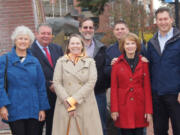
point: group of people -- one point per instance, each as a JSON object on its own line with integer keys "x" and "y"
{"x": 66, "y": 91}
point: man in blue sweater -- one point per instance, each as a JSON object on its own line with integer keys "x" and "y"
{"x": 113, "y": 52}
{"x": 164, "y": 57}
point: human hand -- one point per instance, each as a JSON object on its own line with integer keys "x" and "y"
{"x": 66, "y": 104}
{"x": 144, "y": 59}
{"x": 114, "y": 61}
{"x": 52, "y": 87}
{"x": 4, "y": 113}
{"x": 114, "y": 115}
{"x": 178, "y": 98}
{"x": 72, "y": 113}
{"x": 42, "y": 116}
{"x": 148, "y": 117}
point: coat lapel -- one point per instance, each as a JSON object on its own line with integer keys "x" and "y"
{"x": 41, "y": 54}
{"x": 74, "y": 69}
{"x": 155, "y": 43}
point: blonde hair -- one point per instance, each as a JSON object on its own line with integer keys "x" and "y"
{"x": 80, "y": 38}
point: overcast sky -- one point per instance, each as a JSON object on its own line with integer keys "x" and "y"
{"x": 157, "y": 4}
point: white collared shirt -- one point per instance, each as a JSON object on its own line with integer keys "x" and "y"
{"x": 42, "y": 48}
{"x": 164, "y": 39}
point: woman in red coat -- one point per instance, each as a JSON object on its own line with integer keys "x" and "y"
{"x": 131, "y": 101}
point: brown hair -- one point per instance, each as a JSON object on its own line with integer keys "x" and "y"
{"x": 83, "y": 20}
{"x": 163, "y": 9}
{"x": 132, "y": 37}
{"x": 77, "y": 36}
{"x": 121, "y": 21}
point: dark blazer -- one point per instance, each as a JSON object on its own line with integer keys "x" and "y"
{"x": 99, "y": 57}
{"x": 56, "y": 52}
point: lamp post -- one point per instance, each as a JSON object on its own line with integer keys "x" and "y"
{"x": 176, "y": 5}
{"x": 177, "y": 12}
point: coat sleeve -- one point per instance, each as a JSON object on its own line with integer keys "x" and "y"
{"x": 147, "y": 90}
{"x": 88, "y": 87}
{"x": 4, "y": 100}
{"x": 143, "y": 50}
{"x": 41, "y": 85}
{"x": 107, "y": 68}
{"x": 58, "y": 81}
{"x": 148, "y": 52}
{"x": 114, "y": 89}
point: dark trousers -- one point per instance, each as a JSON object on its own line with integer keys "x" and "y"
{"x": 119, "y": 131}
{"x": 24, "y": 127}
{"x": 48, "y": 121}
{"x": 165, "y": 107}
{"x": 136, "y": 131}
{"x": 102, "y": 107}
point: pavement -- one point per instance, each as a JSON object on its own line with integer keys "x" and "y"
{"x": 4, "y": 129}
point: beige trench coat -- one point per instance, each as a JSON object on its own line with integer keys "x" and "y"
{"x": 77, "y": 81}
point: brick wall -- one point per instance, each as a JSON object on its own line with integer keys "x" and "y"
{"x": 12, "y": 14}
{"x": 104, "y": 20}
{"x": 75, "y": 3}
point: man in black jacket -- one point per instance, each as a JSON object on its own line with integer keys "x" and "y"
{"x": 47, "y": 53}
{"x": 96, "y": 50}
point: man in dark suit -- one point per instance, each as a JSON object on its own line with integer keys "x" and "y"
{"x": 47, "y": 53}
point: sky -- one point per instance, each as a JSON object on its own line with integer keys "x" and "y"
{"x": 157, "y": 4}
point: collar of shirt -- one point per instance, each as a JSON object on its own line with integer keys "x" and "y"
{"x": 164, "y": 39}
{"x": 90, "y": 49}
{"x": 42, "y": 48}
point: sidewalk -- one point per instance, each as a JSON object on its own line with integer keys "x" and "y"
{"x": 4, "y": 129}
{"x": 5, "y": 132}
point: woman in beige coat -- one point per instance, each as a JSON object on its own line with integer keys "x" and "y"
{"x": 74, "y": 80}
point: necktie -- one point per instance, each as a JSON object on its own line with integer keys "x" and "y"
{"x": 48, "y": 56}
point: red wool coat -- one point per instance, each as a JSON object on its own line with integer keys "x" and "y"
{"x": 130, "y": 93}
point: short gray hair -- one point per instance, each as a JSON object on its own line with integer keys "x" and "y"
{"x": 45, "y": 25}
{"x": 22, "y": 30}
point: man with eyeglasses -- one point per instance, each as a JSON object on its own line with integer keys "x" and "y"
{"x": 47, "y": 53}
{"x": 95, "y": 49}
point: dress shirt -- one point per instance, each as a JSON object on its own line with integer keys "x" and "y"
{"x": 90, "y": 49}
{"x": 164, "y": 39}
{"x": 42, "y": 48}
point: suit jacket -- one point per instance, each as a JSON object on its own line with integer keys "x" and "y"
{"x": 99, "y": 57}
{"x": 55, "y": 51}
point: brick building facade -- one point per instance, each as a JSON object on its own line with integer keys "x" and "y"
{"x": 14, "y": 13}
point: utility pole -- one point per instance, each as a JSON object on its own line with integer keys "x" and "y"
{"x": 60, "y": 8}
{"x": 176, "y": 5}
{"x": 66, "y": 6}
